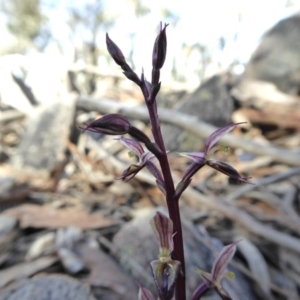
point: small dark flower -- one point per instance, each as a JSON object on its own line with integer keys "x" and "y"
{"x": 160, "y": 48}
{"x": 202, "y": 158}
{"x": 213, "y": 279}
{"x": 112, "y": 124}
{"x": 146, "y": 159}
{"x": 165, "y": 276}
{"x": 165, "y": 270}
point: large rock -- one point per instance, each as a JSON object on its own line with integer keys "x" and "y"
{"x": 211, "y": 103}
{"x": 277, "y": 58}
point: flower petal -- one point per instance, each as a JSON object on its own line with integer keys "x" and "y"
{"x": 155, "y": 172}
{"x": 197, "y": 157}
{"x": 130, "y": 172}
{"x": 223, "y": 259}
{"x": 227, "y": 170}
{"x": 133, "y": 146}
{"x": 217, "y": 135}
{"x": 112, "y": 124}
{"x": 162, "y": 227}
{"x": 148, "y": 156}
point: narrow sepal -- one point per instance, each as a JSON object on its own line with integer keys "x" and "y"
{"x": 133, "y": 146}
{"x": 217, "y": 135}
{"x": 162, "y": 227}
{"x": 227, "y": 170}
{"x": 112, "y": 124}
{"x": 223, "y": 259}
{"x": 197, "y": 157}
{"x": 155, "y": 172}
{"x": 130, "y": 172}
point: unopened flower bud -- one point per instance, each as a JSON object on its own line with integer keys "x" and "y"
{"x": 112, "y": 124}
{"x": 114, "y": 51}
{"x": 160, "y": 49}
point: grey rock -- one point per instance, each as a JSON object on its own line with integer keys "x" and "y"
{"x": 43, "y": 144}
{"x": 211, "y": 103}
{"x": 7, "y": 224}
{"x": 277, "y": 58}
{"x": 52, "y": 287}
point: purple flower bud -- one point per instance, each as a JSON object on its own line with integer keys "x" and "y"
{"x": 114, "y": 51}
{"x": 227, "y": 170}
{"x": 160, "y": 48}
{"x": 165, "y": 276}
{"x": 112, "y": 124}
{"x": 145, "y": 294}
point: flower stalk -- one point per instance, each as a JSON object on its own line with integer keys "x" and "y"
{"x": 169, "y": 270}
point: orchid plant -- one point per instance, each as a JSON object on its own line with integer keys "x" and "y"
{"x": 169, "y": 269}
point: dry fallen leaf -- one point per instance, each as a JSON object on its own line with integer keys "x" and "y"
{"x": 106, "y": 273}
{"x": 25, "y": 269}
{"x": 36, "y": 216}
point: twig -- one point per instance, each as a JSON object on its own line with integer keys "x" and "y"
{"x": 230, "y": 212}
{"x": 190, "y": 123}
{"x": 262, "y": 182}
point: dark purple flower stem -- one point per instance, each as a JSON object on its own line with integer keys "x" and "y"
{"x": 172, "y": 201}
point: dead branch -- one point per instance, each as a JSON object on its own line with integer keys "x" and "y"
{"x": 190, "y": 123}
